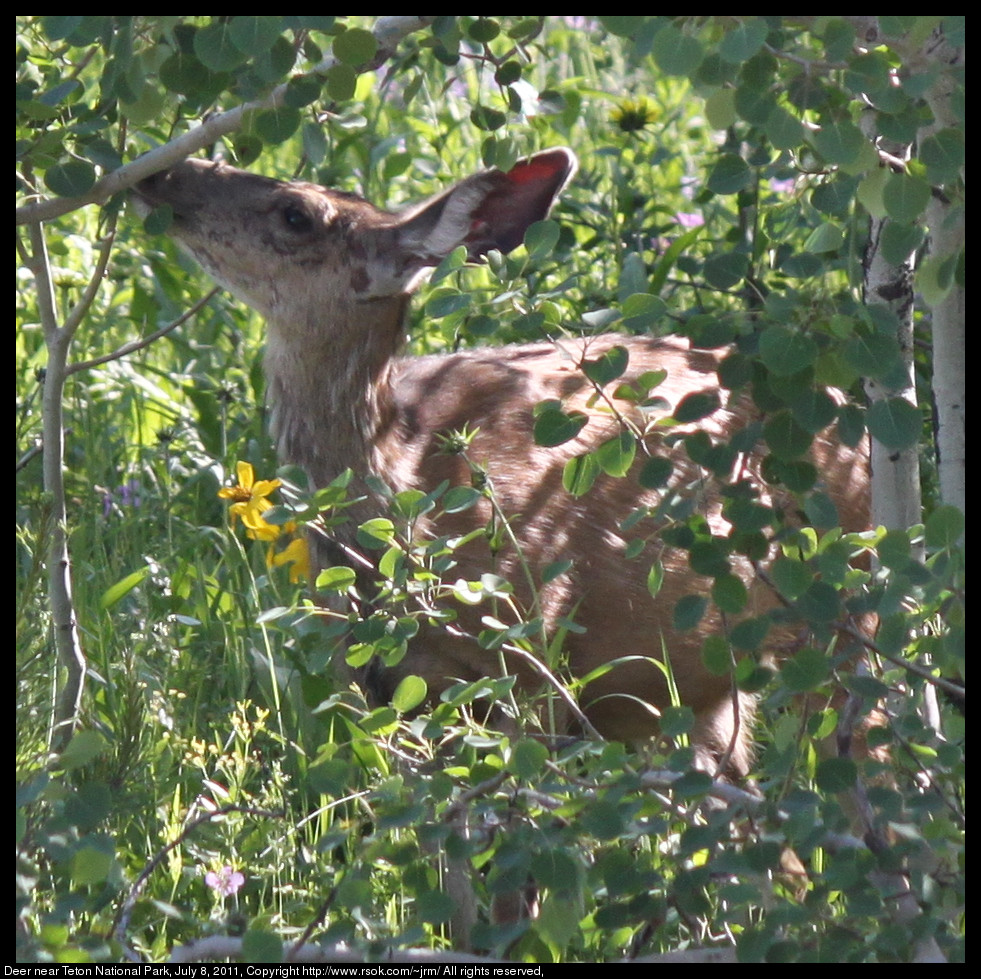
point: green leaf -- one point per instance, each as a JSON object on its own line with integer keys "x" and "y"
{"x": 409, "y": 694}
{"x": 944, "y": 527}
{"x": 342, "y": 82}
{"x": 786, "y": 352}
{"x": 791, "y": 577}
{"x": 726, "y": 270}
{"x": 676, "y": 53}
{"x": 608, "y": 367}
{"x": 90, "y": 866}
{"x": 716, "y": 655}
{"x": 688, "y": 612}
{"x": 83, "y": 748}
{"x": 944, "y": 154}
{"x": 729, "y": 593}
{"x": 697, "y": 405}
{"x": 839, "y": 141}
{"x": 786, "y": 439}
{"x": 528, "y": 758}
{"x": 541, "y": 239}
{"x": 554, "y": 427}
{"x": 655, "y": 472}
{"x": 275, "y": 126}
{"x": 720, "y": 108}
{"x": 895, "y": 423}
{"x": 254, "y": 35}
{"x": 814, "y": 410}
{"x": 215, "y": 48}
{"x": 623, "y": 25}
{"x": 836, "y": 775}
{"x": 873, "y": 355}
{"x": 71, "y": 179}
{"x": 820, "y": 602}
{"x": 117, "y": 591}
{"x": 783, "y": 129}
{"x": 905, "y": 197}
{"x": 580, "y": 473}
{"x": 355, "y": 47}
{"x": 338, "y": 579}
{"x": 730, "y": 175}
{"x": 826, "y": 237}
{"x": 805, "y": 671}
{"x": 899, "y": 241}
{"x": 743, "y": 41}
{"x": 616, "y": 455}
{"x": 434, "y": 907}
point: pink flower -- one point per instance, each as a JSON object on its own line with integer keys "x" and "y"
{"x": 225, "y": 882}
{"x": 689, "y": 220}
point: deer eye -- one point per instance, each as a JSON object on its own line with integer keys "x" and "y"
{"x": 296, "y": 219}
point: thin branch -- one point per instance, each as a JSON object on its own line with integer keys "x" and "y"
{"x": 133, "y": 346}
{"x": 388, "y": 32}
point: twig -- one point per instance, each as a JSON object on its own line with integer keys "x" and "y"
{"x": 132, "y": 347}
{"x": 388, "y": 32}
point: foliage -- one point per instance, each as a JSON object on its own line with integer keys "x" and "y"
{"x": 725, "y": 190}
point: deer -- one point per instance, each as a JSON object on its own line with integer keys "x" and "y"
{"x": 332, "y": 275}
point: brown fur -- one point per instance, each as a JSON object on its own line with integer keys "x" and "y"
{"x": 332, "y": 275}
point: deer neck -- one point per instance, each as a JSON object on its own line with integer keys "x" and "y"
{"x": 329, "y": 384}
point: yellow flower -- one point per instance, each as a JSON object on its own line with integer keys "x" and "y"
{"x": 296, "y": 554}
{"x": 251, "y": 500}
{"x": 630, "y": 116}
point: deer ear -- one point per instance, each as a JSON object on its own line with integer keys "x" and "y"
{"x": 489, "y": 210}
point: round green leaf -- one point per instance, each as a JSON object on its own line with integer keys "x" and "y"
{"x": 786, "y": 439}
{"x": 215, "y": 48}
{"x": 820, "y": 602}
{"x": 342, "y": 81}
{"x": 254, "y": 35}
{"x": 729, "y": 593}
{"x": 655, "y": 472}
{"x": 783, "y": 129}
{"x": 355, "y": 47}
{"x": 944, "y": 527}
{"x": 554, "y": 427}
{"x": 71, "y": 179}
{"x": 697, "y": 405}
{"x": 716, "y": 655}
{"x": 791, "y": 577}
{"x": 730, "y": 174}
{"x": 905, "y": 197}
{"x": 814, "y": 410}
{"x": 900, "y": 241}
{"x": 608, "y": 367}
{"x": 277, "y": 125}
{"x": 895, "y": 423}
{"x": 744, "y": 40}
{"x": 838, "y": 141}
{"x": 836, "y": 774}
{"x": 826, "y": 237}
{"x": 676, "y": 53}
{"x": 720, "y": 109}
{"x": 688, "y": 612}
{"x": 786, "y": 352}
{"x": 409, "y": 694}
{"x": 944, "y": 154}
{"x": 616, "y": 455}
